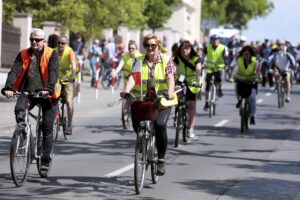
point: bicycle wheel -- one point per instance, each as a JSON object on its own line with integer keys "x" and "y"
{"x": 247, "y": 115}
{"x": 282, "y": 95}
{"x": 63, "y": 121}
{"x": 125, "y": 114}
{"x": 178, "y": 117}
{"x": 279, "y": 93}
{"x": 140, "y": 164}
{"x": 153, "y": 151}
{"x": 242, "y": 114}
{"x": 39, "y": 143}
{"x": 211, "y": 100}
{"x": 185, "y": 125}
{"x": 56, "y": 127}
{"x": 19, "y": 157}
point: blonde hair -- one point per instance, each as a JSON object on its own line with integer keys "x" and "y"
{"x": 152, "y": 36}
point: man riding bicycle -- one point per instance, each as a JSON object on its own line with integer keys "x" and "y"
{"x": 282, "y": 61}
{"x": 154, "y": 71}
{"x": 216, "y": 58}
{"x": 189, "y": 65}
{"x": 67, "y": 70}
{"x": 245, "y": 74}
{"x": 35, "y": 68}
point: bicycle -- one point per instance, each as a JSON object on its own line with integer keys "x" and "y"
{"x": 181, "y": 119}
{"x": 107, "y": 78}
{"x": 244, "y": 91}
{"x": 25, "y": 147}
{"x": 61, "y": 118}
{"x": 212, "y": 97}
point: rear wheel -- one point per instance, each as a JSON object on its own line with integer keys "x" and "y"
{"x": 185, "y": 125}
{"x": 140, "y": 164}
{"x": 179, "y": 127}
{"x": 154, "y": 176}
{"x": 243, "y": 115}
{"x": 19, "y": 157}
{"x": 56, "y": 127}
{"x": 125, "y": 114}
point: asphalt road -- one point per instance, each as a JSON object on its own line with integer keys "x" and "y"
{"x": 96, "y": 162}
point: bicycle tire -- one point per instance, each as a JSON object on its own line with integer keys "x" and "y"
{"x": 153, "y": 150}
{"x": 125, "y": 115}
{"x": 39, "y": 147}
{"x": 17, "y": 140}
{"x": 279, "y": 93}
{"x": 64, "y": 127}
{"x": 140, "y": 160}
{"x": 185, "y": 125}
{"x": 106, "y": 80}
{"x": 178, "y": 125}
{"x": 242, "y": 114}
{"x": 247, "y": 115}
{"x": 56, "y": 127}
{"x": 282, "y": 95}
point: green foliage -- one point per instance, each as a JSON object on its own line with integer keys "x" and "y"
{"x": 236, "y": 12}
{"x": 158, "y": 12}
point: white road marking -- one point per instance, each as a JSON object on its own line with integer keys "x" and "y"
{"x": 268, "y": 94}
{"x": 259, "y": 100}
{"x": 221, "y": 123}
{"x": 119, "y": 171}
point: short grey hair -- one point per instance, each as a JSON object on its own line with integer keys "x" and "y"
{"x": 38, "y": 32}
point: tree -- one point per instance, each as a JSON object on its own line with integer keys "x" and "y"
{"x": 236, "y": 12}
{"x": 89, "y": 17}
{"x": 158, "y": 12}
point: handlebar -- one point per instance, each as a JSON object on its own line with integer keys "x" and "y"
{"x": 38, "y": 93}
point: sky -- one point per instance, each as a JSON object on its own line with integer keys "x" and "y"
{"x": 283, "y": 22}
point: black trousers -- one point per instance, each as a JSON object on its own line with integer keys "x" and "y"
{"x": 49, "y": 108}
{"x": 160, "y": 131}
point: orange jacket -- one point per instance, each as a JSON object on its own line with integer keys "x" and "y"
{"x": 26, "y": 59}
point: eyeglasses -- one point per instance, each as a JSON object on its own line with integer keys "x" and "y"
{"x": 62, "y": 43}
{"x": 35, "y": 39}
{"x": 153, "y": 46}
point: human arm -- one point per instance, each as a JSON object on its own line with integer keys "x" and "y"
{"x": 129, "y": 84}
{"x": 119, "y": 67}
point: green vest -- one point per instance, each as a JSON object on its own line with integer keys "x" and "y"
{"x": 128, "y": 65}
{"x": 65, "y": 64}
{"x": 160, "y": 77}
{"x": 248, "y": 73}
{"x": 190, "y": 75}
{"x": 214, "y": 58}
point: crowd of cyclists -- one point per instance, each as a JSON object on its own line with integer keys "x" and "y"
{"x": 54, "y": 70}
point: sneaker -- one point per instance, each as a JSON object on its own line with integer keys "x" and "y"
{"x": 252, "y": 120}
{"x": 190, "y": 133}
{"x": 69, "y": 130}
{"x": 205, "y": 106}
{"x": 238, "y": 104}
{"x": 220, "y": 93}
{"x": 161, "y": 168}
{"x": 287, "y": 99}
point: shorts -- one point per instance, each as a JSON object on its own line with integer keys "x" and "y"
{"x": 217, "y": 75}
{"x": 190, "y": 96}
{"x": 67, "y": 91}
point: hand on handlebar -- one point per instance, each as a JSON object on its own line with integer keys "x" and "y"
{"x": 124, "y": 95}
{"x": 9, "y": 93}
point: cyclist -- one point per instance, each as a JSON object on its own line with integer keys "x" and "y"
{"x": 282, "y": 61}
{"x": 127, "y": 61}
{"x": 216, "y": 58}
{"x": 246, "y": 71}
{"x": 158, "y": 70}
{"x": 67, "y": 70}
{"x": 34, "y": 68}
{"x": 189, "y": 66}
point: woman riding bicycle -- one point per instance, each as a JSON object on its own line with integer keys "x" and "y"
{"x": 154, "y": 70}
{"x": 189, "y": 66}
{"x": 245, "y": 74}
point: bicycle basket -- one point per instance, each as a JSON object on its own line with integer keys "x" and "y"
{"x": 143, "y": 110}
{"x": 244, "y": 89}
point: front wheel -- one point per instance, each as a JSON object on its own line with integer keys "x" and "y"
{"x": 140, "y": 164}
{"x": 56, "y": 127}
{"x": 106, "y": 80}
{"x": 154, "y": 176}
{"x": 178, "y": 123}
{"x": 19, "y": 157}
{"x": 125, "y": 114}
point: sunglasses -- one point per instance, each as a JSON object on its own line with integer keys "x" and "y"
{"x": 62, "y": 43}
{"x": 153, "y": 46}
{"x": 35, "y": 39}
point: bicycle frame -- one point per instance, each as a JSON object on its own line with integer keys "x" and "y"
{"x": 212, "y": 97}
